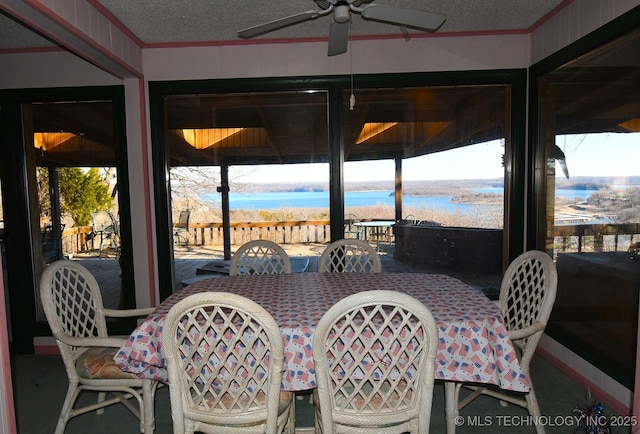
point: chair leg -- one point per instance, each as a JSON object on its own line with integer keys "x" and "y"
{"x": 290, "y": 425}
{"x": 451, "y": 394}
{"x": 101, "y": 397}
{"x": 534, "y": 409}
{"x": 453, "y": 404}
{"x": 317, "y": 415}
{"x": 67, "y": 407}
{"x": 148, "y": 414}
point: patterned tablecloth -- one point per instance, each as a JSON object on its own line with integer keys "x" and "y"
{"x": 473, "y": 343}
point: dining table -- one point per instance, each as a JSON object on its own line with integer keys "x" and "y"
{"x": 299, "y": 264}
{"x": 473, "y": 344}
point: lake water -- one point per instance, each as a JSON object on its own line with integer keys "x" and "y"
{"x": 320, "y": 199}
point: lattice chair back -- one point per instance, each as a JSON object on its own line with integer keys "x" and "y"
{"x": 225, "y": 356}
{"x": 72, "y": 304}
{"x": 374, "y": 356}
{"x": 349, "y": 255}
{"x": 260, "y": 257}
{"x": 527, "y": 295}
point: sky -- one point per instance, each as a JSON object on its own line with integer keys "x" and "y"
{"x": 605, "y": 154}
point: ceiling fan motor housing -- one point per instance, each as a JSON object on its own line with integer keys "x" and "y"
{"x": 341, "y": 13}
{"x": 326, "y": 4}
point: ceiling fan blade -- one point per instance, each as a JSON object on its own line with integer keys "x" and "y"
{"x": 404, "y": 17}
{"x": 338, "y": 38}
{"x": 280, "y": 23}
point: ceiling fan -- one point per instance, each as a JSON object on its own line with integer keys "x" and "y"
{"x": 342, "y": 9}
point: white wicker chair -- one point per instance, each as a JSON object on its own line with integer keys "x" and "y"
{"x": 349, "y": 255}
{"x": 260, "y": 257}
{"x": 374, "y": 355}
{"x": 72, "y": 303}
{"x": 225, "y": 357}
{"x": 527, "y": 295}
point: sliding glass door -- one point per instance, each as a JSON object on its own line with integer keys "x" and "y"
{"x": 66, "y": 167}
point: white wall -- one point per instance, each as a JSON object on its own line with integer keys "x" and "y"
{"x": 140, "y": 181}
{"x": 310, "y": 59}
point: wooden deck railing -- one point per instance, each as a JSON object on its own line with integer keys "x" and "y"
{"x": 78, "y": 239}
{"x": 595, "y": 238}
{"x": 283, "y": 232}
{"x": 569, "y": 238}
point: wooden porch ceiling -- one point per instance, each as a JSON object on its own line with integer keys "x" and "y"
{"x": 92, "y": 139}
{"x": 294, "y": 130}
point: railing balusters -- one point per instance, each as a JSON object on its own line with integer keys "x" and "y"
{"x": 568, "y": 238}
{"x": 595, "y": 238}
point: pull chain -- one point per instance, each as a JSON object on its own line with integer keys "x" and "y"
{"x": 352, "y": 98}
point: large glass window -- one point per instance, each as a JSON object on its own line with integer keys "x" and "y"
{"x": 253, "y": 160}
{"x": 461, "y": 187}
{"x": 370, "y": 159}
{"x": 590, "y": 133}
{"x": 432, "y": 160}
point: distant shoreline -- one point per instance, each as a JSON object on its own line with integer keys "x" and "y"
{"x": 432, "y": 187}
{"x": 426, "y": 197}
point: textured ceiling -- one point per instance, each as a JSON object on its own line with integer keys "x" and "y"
{"x": 188, "y": 21}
